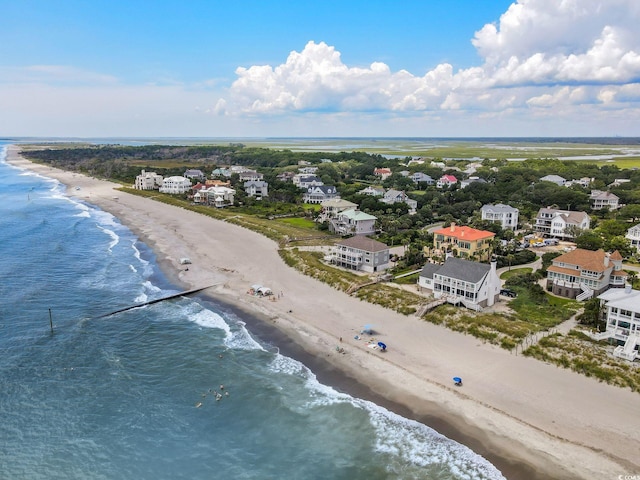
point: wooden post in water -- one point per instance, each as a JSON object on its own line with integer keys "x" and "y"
{"x": 50, "y": 321}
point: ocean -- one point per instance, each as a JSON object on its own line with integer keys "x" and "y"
{"x": 133, "y": 395}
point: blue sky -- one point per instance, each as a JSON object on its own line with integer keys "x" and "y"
{"x": 334, "y": 68}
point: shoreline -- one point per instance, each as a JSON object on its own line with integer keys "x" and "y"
{"x": 530, "y": 419}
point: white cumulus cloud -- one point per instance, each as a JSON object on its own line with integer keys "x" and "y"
{"x": 540, "y": 53}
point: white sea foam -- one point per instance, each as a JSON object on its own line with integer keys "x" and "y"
{"x": 143, "y": 297}
{"x": 405, "y": 439}
{"x": 114, "y": 237}
{"x": 420, "y": 445}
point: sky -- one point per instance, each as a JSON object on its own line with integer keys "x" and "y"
{"x": 275, "y": 68}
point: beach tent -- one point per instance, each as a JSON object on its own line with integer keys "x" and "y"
{"x": 256, "y": 287}
{"x": 264, "y": 291}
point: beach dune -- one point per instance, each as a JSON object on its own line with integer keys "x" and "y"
{"x": 531, "y": 419}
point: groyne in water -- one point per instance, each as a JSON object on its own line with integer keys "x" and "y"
{"x": 151, "y": 302}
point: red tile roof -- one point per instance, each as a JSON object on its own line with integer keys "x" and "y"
{"x": 464, "y": 233}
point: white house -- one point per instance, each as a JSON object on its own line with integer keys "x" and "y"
{"x": 372, "y": 190}
{"x": 148, "y": 181}
{"x": 352, "y": 222}
{"x": 396, "y": 196}
{"x": 633, "y": 235}
{"x": 361, "y": 253}
{"x": 305, "y": 181}
{"x": 250, "y": 175}
{"x": 256, "y": 188}
{"x": 553, "y": 222}
{"x": 600, "y": 200}
{"x": 216, "y": 196}
{"x": 505, "y": 215}
{"x": 446, "y": 181}
{"x": 623, "y": 321}
{"x": 557, "y": 179}
{"x": 320, "y": 193}
{"x": 382, "y": 172}
{"x": 175, "y": 185}
{"x": 330, "y": 208}
{"x": 421, "y": 177}
{"x": 472, "y": 284}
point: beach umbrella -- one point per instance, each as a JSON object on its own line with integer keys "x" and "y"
{"x": 382, "y": 345}
{"x": 457, "y": 380}
{"x": 368, "y": 328}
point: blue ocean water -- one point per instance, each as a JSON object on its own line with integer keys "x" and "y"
{"x": 132, "y": 396}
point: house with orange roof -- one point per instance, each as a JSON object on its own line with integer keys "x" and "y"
{"x": 382, "y": 172}
{"x": 464, "y": 242}
{"x": 581, "y": 274}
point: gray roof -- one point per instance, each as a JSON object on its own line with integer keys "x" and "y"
{"x": 324, "y": 188}
{"x": 429, "y": 269}
{"x": 363, "y": 243}
{"x": 464, "y": 270}
{"x": 498, "y": 207}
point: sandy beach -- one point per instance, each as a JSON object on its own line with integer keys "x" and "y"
{"x": 530, "y": 419}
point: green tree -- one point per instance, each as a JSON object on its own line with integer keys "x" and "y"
{"x": 589, "y": 240}
{"x": 592, "y": 314}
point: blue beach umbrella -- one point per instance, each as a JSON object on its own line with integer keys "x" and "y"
{"x": 368, "y": 328}
{"x": 382, "y": 345}
{"x": 457, "y": 379}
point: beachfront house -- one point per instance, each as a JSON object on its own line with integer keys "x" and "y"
{"x": 175, "y": 185}
{"x": 256, "y": 188}
{"x": 633, "y": 235}
{"x": 600, "y": 200}
{"x": 148, "y": 181}
{"x": 580, "y": 274}
{"x": 459, "y": 281}
{"x": 215, "y": 196}
{"x": 464, "y": 242}
{"x": 504, "y": 215}
{"x": 552, "y": 222}
{"x": 320, "y": 193}
{"x": 361, "y": 253}
{"x": 622, "y": 320}
{"x": 352, "y": 222}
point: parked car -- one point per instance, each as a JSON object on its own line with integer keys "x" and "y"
{"x": 507, "y": 292}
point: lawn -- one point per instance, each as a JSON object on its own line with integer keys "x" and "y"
{"x": 515, "y": 271}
